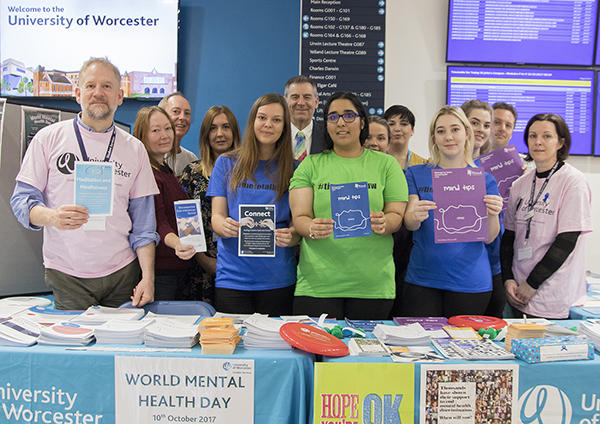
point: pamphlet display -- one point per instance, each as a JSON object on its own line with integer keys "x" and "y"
{"x": 461, "y": 214}
{"x": 257, "y": 231}
{"x": 506, "y": 166}
{"x": 190, "y": 228}
{"x": 468, "y": 393}
{"x": 350, "y": 210}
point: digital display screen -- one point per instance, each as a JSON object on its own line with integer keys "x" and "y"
{"x": 568, "y": 93}
{"x": 43, "y": 45}
{"x": 522, "y": 31}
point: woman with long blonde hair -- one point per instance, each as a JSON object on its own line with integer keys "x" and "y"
{"x": 446, "y": 279}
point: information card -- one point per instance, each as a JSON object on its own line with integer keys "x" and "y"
{"x": 189, "y": 223}
{"x": 460, "y": 215}
{"x": 257, "y": 231}
{"x": 350, "y": 210}
{"x": 94, "y": 187}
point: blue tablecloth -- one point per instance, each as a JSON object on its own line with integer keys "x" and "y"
{"x": 283, "y": 381}
{"x": 570, "y": 388}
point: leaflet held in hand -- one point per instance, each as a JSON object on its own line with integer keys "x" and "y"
{"x": 461, "y": 214}
{"x": 506, "y": 166}
{"x": 350, "y": 210}
{"x": 94, "y": 187}
{"x": 189, "y": 223}
{"x": 257, "y": 231}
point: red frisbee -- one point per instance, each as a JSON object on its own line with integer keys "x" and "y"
{"x": 312, "y": 339}
{"x": 477, "y": 321}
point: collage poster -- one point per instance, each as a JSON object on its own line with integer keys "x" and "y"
{"x": 468, "y": 393}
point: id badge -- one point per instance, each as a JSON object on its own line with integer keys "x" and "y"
{"x": 528, "y": 215}
{"x": 525, "y": 252}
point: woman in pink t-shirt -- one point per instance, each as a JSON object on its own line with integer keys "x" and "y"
{"x": 549, "y": 208}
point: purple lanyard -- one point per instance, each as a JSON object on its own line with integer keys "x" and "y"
{"x": 84, "y": 156}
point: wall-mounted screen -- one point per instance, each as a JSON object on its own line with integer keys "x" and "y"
{"x": 43, "y": 45}
{"x": 522, "y": 31}
{"x": 568, "y": 93}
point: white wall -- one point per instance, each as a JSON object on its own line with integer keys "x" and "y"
{"x": 416, "y": 77}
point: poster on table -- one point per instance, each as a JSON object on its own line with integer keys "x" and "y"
{"x": 350, "y": 210}
{"x": 506, "y": 166}
{"x": 256, "y": 235}
{"x": 34, "y": 119}
{"x": 469, "y": 393}
{"x": 460, "y": 215}
{"x": 186, "y": 390}
{"x": 363, "y": 393}
{"x": 189, "y": 223}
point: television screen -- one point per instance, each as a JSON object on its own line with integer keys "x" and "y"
{"x": 43, "y": 45}
{"x": 522, "y": 31}
{"x": 597, "y": 133}
{"x": 568, "y": 93}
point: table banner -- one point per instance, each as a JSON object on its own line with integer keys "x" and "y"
{"x": 363, "y": 393}
{"x": 467, "y": 394}
{"x": 191, "y": 390}
{"x": 565, "y": 392}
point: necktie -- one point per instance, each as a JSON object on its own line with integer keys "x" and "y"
{"x": 300, "y": 149}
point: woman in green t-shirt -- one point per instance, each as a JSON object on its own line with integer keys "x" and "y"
{"x": 346, "y": 277}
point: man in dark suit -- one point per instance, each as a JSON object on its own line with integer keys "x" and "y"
{"x": 302, "y": 100}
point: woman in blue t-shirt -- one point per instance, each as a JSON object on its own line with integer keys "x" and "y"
{"x": 257, "y": 173}
{"x": 446, "y": 279}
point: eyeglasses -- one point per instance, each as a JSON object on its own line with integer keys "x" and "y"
{"x": 346, "y": 116}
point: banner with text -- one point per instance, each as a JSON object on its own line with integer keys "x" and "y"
{"x": 153, "y": 390}
{"x": 363, "y": 393}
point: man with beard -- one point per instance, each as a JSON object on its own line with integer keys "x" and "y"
{"x": 91, "y": 260}
{"x": 302, "y": 99}
{"x": 180, "y": 112}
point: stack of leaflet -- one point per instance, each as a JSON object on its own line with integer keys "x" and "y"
{"x": 66, "y": 334}
{"x": 402, "y": 335}
{"x": 263, "y": 333}
{"x": 97, "y": 315}
{"x": 523, "y": 331}
{"x": 18, "y": 332}
{"x": 169, "y": 333}
{"x": 121, "y": 332}
{"x": 591, "y": 329}
{"x": 218, "y": 336}
{"x": 367, "y": 347}
{"x": 47, "y": 316}
{"x": 183, "y": 319}
{"x": 12, "y": 306}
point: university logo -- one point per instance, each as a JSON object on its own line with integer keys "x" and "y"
{"x": 227, "y": 366}
{"x": 544, "y": 404}
{"x": 66, "y": 163}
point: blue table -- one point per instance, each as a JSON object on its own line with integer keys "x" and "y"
{"x": 283, "y": 383}
{"x": 557, "y": 389}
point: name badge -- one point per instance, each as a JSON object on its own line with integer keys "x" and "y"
{"x": 529, "y": 215}
{"x": 524, "y": 253}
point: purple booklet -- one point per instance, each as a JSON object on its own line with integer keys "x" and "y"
{"x": 428, "y": 323}
{"x": 506, "y": 166}
{"x": 460, "y": 215}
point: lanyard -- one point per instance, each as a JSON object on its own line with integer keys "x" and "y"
{"x": 532, "y": 202}
{"x": 109, "y": 149}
